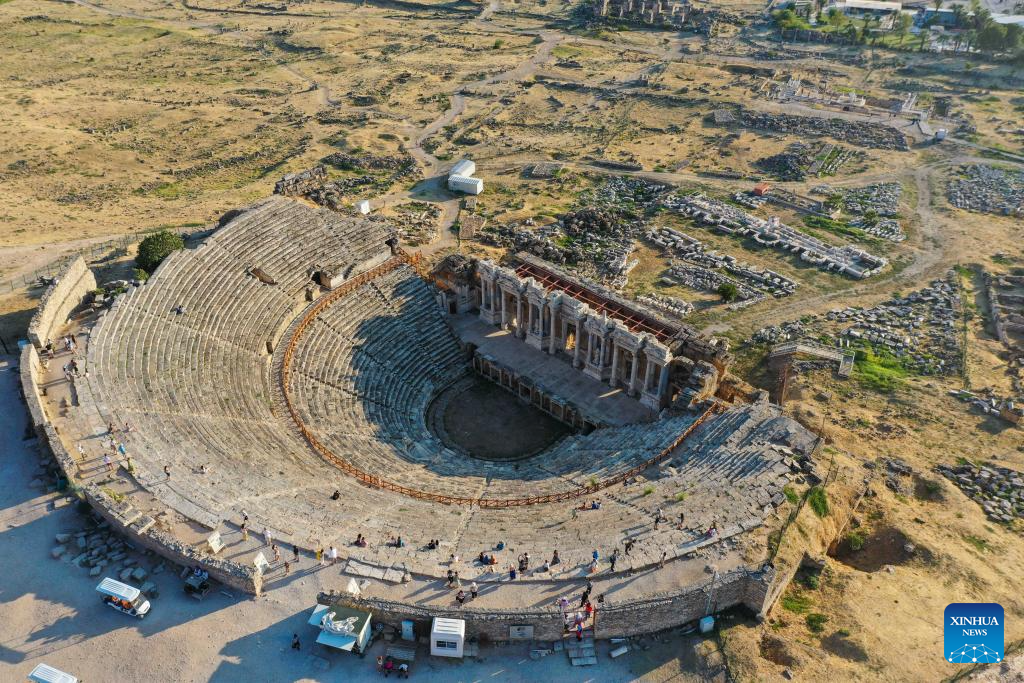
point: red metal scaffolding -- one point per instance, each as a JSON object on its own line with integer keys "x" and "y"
{"x": 633, "y": 319}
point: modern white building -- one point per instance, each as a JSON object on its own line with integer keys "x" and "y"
{"x": 447, "y": 637}
{"x": 463, "y": 167}
{"x": 460, "y": 178}
{"x": 461, "y": 183}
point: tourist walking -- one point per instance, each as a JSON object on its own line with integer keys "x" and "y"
{"x": 664, "y": 554}
{"x": 461, "y": 597}
{"x": 268, "y": 537}
{"x": 451, "y": 577}
{"x": 295, "y": 553}
{"x": 287, "y": 568}
{"x": 555, "y": 559}
{"x": 296, "y": 645}
{"x": 167, "y": 471}
{"x": 107, "y": 462}
{"x": 474, "y": 590}
{"x": 320, "y": 556}
{"x": 512, "y": 572}
{"x": 614, "y": 559}
{"x": 245, "y": 530}
{"x": 276, "y": 551}
{"x": 333, "y": 552}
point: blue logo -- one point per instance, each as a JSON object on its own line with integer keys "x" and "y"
{"x": 973, "y": 633}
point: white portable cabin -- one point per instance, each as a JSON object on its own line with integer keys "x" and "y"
{"x": 342, "y": 628}
{"x": 463, "y": 167}
{"x": 447, "y": 637}
{"x": 44, "y": 673}
{"x": 461, "y": 183}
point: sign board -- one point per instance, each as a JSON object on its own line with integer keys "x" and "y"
{"x": 261, "y": 563}
{"x": 520, "y": 632}
{"x": 215, "y": 542}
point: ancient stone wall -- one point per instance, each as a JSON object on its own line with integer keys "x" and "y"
{"x": 738, "y": 588}
{"x": 59, "y": 299}
{"x": 29, "y": 369}
{"x": 120, "y": 515}
{"x": 136, "y": 527}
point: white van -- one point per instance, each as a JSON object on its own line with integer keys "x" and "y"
{"x": 124, "y": 598}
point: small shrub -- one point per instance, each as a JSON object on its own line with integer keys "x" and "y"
{"x": 791, "y": 495}
{"x": 140, "y": 274}
{"x": 812, "y": 581}
{"x": 681, "y": 496}
{"x": 727, "y": 291}
{"x": 648, "y": 490}
{"x": 816, "y": 622}
{"x": 818, "y": 501}
{"x": 856, "y": 539}
{"x": 798, "y": 604}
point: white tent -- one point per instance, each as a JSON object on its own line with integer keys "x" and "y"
{"x": 447, "y": 637}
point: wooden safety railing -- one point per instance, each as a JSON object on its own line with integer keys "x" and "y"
{"x": 375, "y": 481}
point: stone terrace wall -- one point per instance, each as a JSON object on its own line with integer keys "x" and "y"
{"x": 136, "y": 527}
{"x": 29, "y": 369}
{"x": 59, "y": 300}
{"x": 738, "y": 588}
{"x": 124, "y": 518}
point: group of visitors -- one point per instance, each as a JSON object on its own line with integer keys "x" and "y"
{"x": 461, "y": 597}
{"x": 387, "y": 665}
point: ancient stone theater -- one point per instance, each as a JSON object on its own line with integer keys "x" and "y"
{"x": 297, "y": 371}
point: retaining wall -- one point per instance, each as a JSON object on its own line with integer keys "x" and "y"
{"x": 137, "y": 528}
{"x": 57, "y": 303}
{"x": 739, "y": 588}
{"x": 59, "y": 300}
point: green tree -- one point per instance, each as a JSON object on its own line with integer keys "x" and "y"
{"x": 903, "y": 22}
{"x": 727, "y": 291}
{"x": 155, "y": 248}
{"x": 992, "y": 38}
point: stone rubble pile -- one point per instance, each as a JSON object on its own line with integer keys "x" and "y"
{"x": 857, "y": 133}
{"x": 705, "y": 280}
{"x": 1009, "y": 409}
{"x": 417, "y": 222}
{"x": 802, "y": 159}
{"x": 731, "y": 220}
{"x": 788, "y": 331}
{"x": 104, "y": 553}
{"x": 882, "y": 198}
{"x": 999, "y": 490}
{"x": 920, "y": 327}
{"x": 987, "y": 189}
{"x": 754, "y": 282}
{"x": 666, "y": 304}
{"x": 596, "y": 239}
{"x": 884, "y": 228}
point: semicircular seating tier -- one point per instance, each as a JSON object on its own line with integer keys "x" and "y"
{"x": 200, "y": 388}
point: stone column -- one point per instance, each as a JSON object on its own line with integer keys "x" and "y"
{"x": 576, "y": 361}
{"x": 663, "y": 384}
{"x": 556, "y": 333}
{"x": 520, "y": 328}
{"x": 614, "y": 379}
{"x": 648, "y": 376}
{"x": 633, "y": 372}
{"x": 504, "y": 308}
